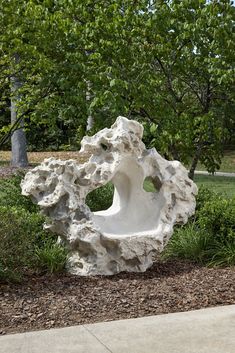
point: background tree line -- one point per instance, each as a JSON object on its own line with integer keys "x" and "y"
{"x": 168, "y": 64}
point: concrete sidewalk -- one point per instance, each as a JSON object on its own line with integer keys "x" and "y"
{"x": 203, "y": 331}
{"x": 224, "y": 174}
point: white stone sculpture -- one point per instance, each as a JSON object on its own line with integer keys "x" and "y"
{"x": 128, "y": 235}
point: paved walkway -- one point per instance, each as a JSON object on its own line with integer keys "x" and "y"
{"x": 203, "y": 331}
{"x": 203, "y": 172}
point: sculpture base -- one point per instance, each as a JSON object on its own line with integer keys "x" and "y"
{"x": 111, "y": 255}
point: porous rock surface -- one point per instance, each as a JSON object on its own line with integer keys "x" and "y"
{"x": 128, "y": 235}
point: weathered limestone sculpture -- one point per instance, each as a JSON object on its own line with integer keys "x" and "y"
{"x": 128, "y": 235}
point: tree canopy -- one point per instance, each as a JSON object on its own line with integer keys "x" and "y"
{"x": 169, "y": 64}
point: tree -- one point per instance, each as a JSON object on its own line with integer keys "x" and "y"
{"x": 168, "y": 64}
{"x": 53, "y": 83}
{"x": 183, "y": 54}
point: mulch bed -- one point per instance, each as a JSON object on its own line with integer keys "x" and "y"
{"x": 49, "y": 301}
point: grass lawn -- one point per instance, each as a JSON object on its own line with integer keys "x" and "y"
{"x": 225, "y": 185}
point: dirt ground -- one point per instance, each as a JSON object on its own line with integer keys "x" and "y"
{"x": 47, "y": 301}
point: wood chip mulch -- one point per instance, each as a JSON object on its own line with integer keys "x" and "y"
{"x": 49, "y": 301}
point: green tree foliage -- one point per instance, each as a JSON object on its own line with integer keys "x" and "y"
{"x": 179, "y": 76}
{"x": 169, "y": 64}
{"x": 50, "y": 69}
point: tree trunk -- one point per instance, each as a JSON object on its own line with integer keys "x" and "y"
{"x": 90, "y": 123}
{"x": 18, "y": 139}
{"x": 194, "y": 163}
{"x": 90, "y": 119}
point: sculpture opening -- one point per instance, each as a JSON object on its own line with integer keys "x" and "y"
{"x": 101, "y": 198}
{"x": 121, "y": 218}
{"x": 127, "y": 235}
{"x": 151, "y": 184}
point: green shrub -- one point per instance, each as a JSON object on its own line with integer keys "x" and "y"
{"x": 20, "y": 232}
{"x": 204, "y": 195}
{"x": 101, "y": 198}
{"x": 10, "y": 194}
{"x": 197, "y": 245}
{"x": 16, "y": 242}
{"x": 218, "y": 218}
{"x": 189, "y": 243}
{"x": 52, "y": 257}
{"x": 210, "y": 237}
{"x": 8, "y": 275}
{"x": 221, "y": 254}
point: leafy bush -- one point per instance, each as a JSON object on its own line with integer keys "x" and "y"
{"x": 221, "y": 254}
{"x": 210, "y": 237}
{"x": 101, "y": 198}
{"x": 8, "y": 275}
{"x": 10, "y": 194}
{"x": 20, "y": 233}
{"x": 52, "y": 257}
{"x": 194, "y": 244}
{"x": 24, "y": 245}
{"x": 218, "y": 218}
{"x": 204, "y": 195}
{"x": 188, "y": 243}
{"x": 16, "y": 241}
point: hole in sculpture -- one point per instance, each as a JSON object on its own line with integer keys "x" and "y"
{"x": 133, "y": 210}
{"x": 152, "y": 184}
{"x": 100, "y": 198}
{"x": 104, "y": 146}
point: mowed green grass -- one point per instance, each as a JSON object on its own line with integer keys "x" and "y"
{"x": 219, "y": 184}
{"x": 222, "y": 185}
